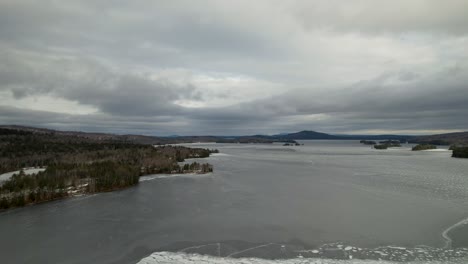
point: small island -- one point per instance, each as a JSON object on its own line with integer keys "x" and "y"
{"x": 381, "y": 146}
{"x": 368, "y": 142}
{"x": 423, "y": 147}
{"x": 387, "y": 144}
{"x": 291, "y": 143}
{"x": 70, "y": 165}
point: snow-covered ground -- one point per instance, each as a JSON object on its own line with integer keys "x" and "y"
{"x": 436, "y": 150}
{"x": 27, "y": 171}
{"x": 183, "y": 258}
{"x": 164, "y": 176}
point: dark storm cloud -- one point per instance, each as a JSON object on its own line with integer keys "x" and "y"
{"x": 91, "y": 83}
{"x": 162, "y": 67}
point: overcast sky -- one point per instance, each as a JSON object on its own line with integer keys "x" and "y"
{"x": 235, "y": 67}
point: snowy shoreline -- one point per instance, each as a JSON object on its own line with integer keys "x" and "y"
{"x": 28, "y": 171}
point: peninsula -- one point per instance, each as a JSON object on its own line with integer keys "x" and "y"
{"x": 69, "y": 165}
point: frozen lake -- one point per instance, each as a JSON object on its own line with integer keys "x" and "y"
{"x": 318, "y": 193}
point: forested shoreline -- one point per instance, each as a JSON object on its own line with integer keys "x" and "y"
{"x": 420, "y": 147}
{"x": 460, "y": 151}
{"x": 80, "y": 166}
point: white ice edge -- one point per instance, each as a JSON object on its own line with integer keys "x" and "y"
{"x": 448, "y": 240}
{"x": 219, "y": 154}
{"x": 436, "y": 150}
{"x": 184, "y": 258}
{"x": 165, "y": 176}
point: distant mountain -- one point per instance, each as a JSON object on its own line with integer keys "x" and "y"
{"x": 306, "y": 134}
{"x": 377, "y": 137}
{"x": 443, "y": 139}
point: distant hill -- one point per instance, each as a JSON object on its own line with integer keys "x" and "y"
{"x": 306, "y": 134}
{"x": 377, "y": 137}
{"x": 443, "y": 139}
{"x": 141, "y": 139}
{"x": 138, "y": 139}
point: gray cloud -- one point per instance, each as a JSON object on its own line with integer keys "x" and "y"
{"x": 444, "y": 17}
{"x": 91, "y": 83}
{"x": 237, "y": 67}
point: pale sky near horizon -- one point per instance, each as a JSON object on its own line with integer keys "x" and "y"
{"x": 235, "y": 67}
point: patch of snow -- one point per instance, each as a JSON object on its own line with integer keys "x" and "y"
{"x": 165, "y": 176}
{"x": 381, "y": 253}
{"x": 394, "y": 247}
{"x": 219, "y": 155}
{"x": 27, "y": 171}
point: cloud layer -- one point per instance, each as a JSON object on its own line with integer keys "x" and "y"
{"x": 235, "y": 67}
